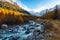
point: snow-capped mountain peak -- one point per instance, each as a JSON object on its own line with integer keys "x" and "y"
{"x": 58, "y": 6}
{"x": 42, "y": 12}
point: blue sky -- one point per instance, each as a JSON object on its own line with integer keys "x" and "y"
{"x": 37, "y": 5}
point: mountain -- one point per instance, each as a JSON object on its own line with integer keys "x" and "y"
{"x": 37, "y": 13}
{"x": 52, "y": 13}
{"x": 13, "y": 7}
{"x": 34, "y": 13}
{"x": 13, "y": 14}
{"x": 10, "y": 1}
{"x": 41, "y": 13}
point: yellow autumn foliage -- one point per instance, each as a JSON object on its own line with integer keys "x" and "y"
{"x": 12, "y": 15}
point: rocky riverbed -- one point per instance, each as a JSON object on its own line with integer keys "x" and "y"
{"x": 30, "y": 31}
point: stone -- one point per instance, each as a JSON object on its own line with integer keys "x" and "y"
{"x": 4, "y": 26}
{"x": 27, "y": 31}
{"x": 13, "y": 38}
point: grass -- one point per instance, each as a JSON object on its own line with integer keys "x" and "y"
{"x": 55, "y": 30}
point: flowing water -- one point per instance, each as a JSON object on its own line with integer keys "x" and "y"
{"x": 22, "y": 32}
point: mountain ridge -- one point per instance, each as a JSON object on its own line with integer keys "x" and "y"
{"x": 52, "y": 14}
{"x": 10, "y": 13}
{"x": 13, "y": 7}
{"x": 41, "y": 13}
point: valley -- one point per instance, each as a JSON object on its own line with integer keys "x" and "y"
{"x": 19, "y": 24}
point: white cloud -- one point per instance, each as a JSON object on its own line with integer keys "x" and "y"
{"x": 51, "y": 5}
{"x": 19, "y": 3}
{"x": 23, "y": 6}
{"x": 10, "y": 1}
{"x": 37, "y": 9}
{"x": 28, "y": 9}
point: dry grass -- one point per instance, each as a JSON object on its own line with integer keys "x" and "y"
{"x": 55, "y": 30}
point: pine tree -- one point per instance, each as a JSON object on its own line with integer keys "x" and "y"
{"x": 55, "y": 16}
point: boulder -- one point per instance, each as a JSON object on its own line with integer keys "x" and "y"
{"x": 4, "y": 26}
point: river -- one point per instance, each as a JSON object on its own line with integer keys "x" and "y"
{"x": 29, "y": 31}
